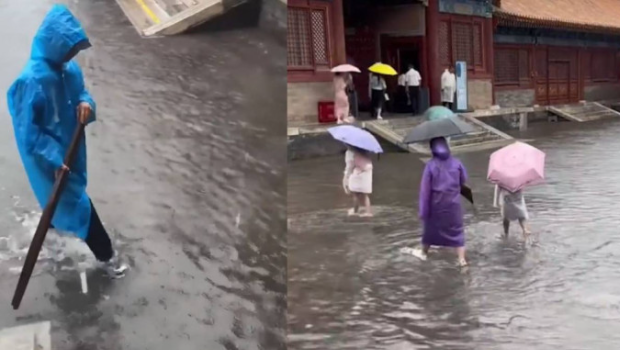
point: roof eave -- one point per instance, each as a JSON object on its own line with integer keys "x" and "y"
{"x": 510, "y": 19}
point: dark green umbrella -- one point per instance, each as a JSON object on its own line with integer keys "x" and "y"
{"x": 437, "y": 113}
{"x": 438, "y": 128}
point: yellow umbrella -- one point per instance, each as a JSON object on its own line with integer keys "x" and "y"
{"x": 382, "y": 68}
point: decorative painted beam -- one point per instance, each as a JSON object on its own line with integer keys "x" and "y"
{"x": 478, "y": 8}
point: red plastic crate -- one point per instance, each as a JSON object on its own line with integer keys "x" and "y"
{"x": 326, "y": 112}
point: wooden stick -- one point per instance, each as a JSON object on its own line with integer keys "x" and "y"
{"x": 46, "y": 220}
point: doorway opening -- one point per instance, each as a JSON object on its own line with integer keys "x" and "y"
{"x": 400, "y": 52}
{"x": 409, "y": 55}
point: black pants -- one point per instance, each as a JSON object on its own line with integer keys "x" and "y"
{"x": 414, "y": 93}
{"x": 377, "y": 101}
{"x": 447, "y": 105}
{"x": 401, "y": 101}
{"x": 98, "y": 239}
{"x": 353, "y": 106}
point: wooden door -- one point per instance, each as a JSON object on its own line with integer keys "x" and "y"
{"x": 541, "y": 76}
{"x": 559, "y": 82}
{"x": 556, "y": 72}
{"x": 390, "y": 54}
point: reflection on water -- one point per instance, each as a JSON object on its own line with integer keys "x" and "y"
{"x": 350, "y": 287}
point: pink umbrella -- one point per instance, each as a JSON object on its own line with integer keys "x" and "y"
{"x": 517, "y": 166}
{"x": 346, "y": 68}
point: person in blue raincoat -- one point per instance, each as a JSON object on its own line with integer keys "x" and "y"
{"x": 46, "y": 102}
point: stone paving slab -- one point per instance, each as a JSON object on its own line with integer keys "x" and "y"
{"x": 34, "y": 336}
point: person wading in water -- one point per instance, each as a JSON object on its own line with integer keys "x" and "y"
{"x": 46, "y": 102}
{"x": 440, "y": 203}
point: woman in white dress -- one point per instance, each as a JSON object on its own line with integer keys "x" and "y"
{"x": 513, "y": 208}
{"x": 357, "y": 179}
{"x": 448, "y": 88}
{"x": 341, "y": 99}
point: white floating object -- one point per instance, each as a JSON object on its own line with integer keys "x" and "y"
{"x": 84, "y": 282}
{"x": 417, "y": 252}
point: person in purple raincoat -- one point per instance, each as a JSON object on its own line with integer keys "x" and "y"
{"x": 440, "y": 202}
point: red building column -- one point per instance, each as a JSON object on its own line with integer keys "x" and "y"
{"x": 432, "y": 51}
{"x": 489, "y": 43}
{"x": 340, "y": 55}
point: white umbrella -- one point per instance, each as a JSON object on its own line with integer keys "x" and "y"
{"x": 346, "y": 68}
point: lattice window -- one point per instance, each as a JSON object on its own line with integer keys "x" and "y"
{"x": 319, "y": 37}
{"x": 461, "y": 38}
{"x": 598, "y": 66}
{"x": 299, "y": 49}
{"x": 507, "y": 66}
{"x": 603, "y": 66}
{"x": 585, "y": 66}
{"x": 524, "y": 64}
{"x": 477, "y": 44}
{"x": 444, "y": 43}
{"x": 307, "y": 37}
{"x": 541, "y": 64}
{"x": 462, "y": 34}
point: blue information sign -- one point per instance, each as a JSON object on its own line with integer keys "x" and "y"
{"x": 461, "y": 86}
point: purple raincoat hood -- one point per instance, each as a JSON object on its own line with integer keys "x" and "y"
{"x": 440, "y": 148}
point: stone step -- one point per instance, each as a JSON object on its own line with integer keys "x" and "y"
{"x": 592, "y": 118}
{"x": 394, "y": 130}
{"x": 474, "y": 140}
{"x": 405, "y": 130}
{"x": 584, "y": 112}
{"x": 469, "y": 140}
{"x": 27, "y": 337}
{"x": 580, "y": 108}
{"x": 471, "y": 135}
{"x": 398, "y": 124}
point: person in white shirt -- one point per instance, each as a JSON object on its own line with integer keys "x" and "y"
{"x": 412, "y": 81}
{"x": 401, "y": 80}
{"x": 377, "y": 88}
{"x": 448, "y": 87}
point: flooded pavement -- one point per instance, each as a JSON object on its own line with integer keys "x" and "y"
{"x": 350, "y": 287}
{"x": 186, "y": 169}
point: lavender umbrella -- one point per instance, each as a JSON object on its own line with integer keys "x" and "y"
{"x": 356, "y": 137}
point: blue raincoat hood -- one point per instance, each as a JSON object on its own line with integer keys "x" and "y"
{"x": 59, "y": 33}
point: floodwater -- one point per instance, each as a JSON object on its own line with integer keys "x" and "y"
{"x": 350, "y": 287}
{"x": 186, "y": 169}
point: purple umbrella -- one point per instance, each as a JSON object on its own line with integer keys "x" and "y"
{"x": 356, "y": 137}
